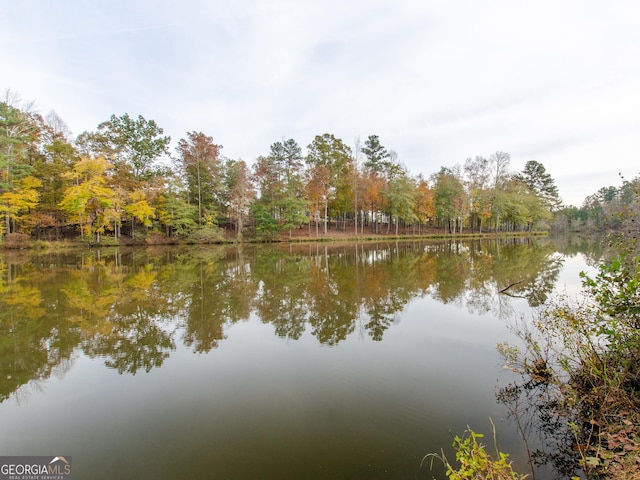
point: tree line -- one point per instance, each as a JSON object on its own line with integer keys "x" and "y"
{"x": 610, "y": 208}
{"x": 125, "y": 179}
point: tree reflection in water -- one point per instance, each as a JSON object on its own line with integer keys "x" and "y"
{"x": 131, "y": 307}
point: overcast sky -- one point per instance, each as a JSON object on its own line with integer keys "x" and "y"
{"x": 437, "y": 81}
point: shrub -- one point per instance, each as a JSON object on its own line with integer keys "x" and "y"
{"x": 207, "y": 234}
{"x": 475, "y": 462}
{"x": 581, "y": 371}
{"x": 16, "y": 240}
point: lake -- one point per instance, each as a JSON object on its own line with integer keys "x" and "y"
{"x": 314, "y": 361}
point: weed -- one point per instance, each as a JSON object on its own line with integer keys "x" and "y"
{"x": 474, "y": 461}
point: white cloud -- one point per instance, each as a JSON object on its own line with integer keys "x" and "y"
{"x": 438, "y": 81}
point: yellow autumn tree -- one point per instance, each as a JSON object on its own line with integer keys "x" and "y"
{"x": 425, "y": 207}
{"x": 139, "y": 209}
{"x": 17, "y": 203}
{"x": 89, "y": 201}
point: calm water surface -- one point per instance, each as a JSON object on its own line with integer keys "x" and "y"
{"x": 313, "y": 361}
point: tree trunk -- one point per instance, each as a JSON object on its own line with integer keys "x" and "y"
{"x": 326, "y": 216}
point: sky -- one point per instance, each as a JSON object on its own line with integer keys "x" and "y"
{"x": 439, "y": 81}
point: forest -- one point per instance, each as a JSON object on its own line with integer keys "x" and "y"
{"x": 125, "y": 181}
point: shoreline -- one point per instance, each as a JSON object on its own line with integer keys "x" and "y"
{"x": 152, "y": 240}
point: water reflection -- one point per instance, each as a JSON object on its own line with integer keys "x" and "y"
{"x": 130, "y": 308}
